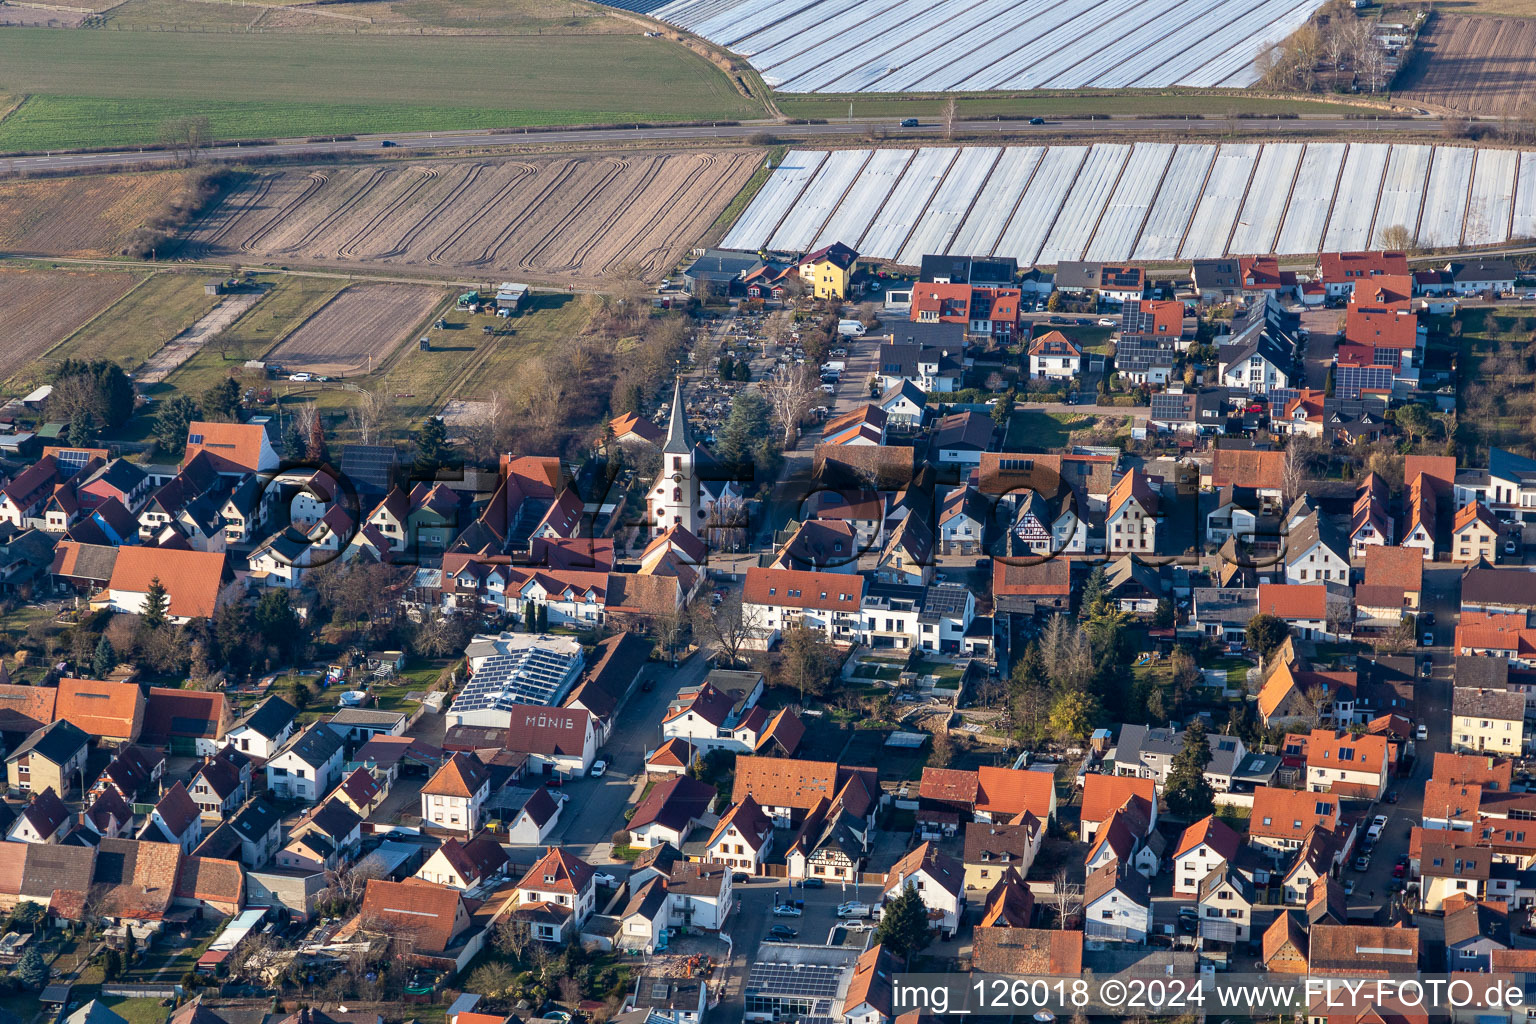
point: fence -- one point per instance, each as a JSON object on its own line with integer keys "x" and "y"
{"x": 143, "y": 991}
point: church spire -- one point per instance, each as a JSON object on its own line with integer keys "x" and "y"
{"x": 679, "y": 437}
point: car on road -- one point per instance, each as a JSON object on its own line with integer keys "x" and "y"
{"x": 783, "y": 929}
{"x": 1084, "y": 321}
{"x": 1105, "y": 321}
{"x": 1391, "y": 796}
{"x": 647, "y": 685}
{"x": 830, "y": 389}
{"x": 909, "y": 122}
{"x": 774, "y": 938}
{"x": 1428, "y": 638}
{"x": 1421, "y": 733}
{"x": 1427, "y": 669}
{"x": 1378, "y": 826}
{"x": 787, "y": 910}
{"x": 812, "y": 883}
{"x": 1037, "y": 120}
{"x": 1398, "y": 870}
{"x": 387, "y": 144}
{"x": 604, "y": 878}
{"x": 1059, "y": 320}
{"x": 599, "y": 768}
{"x": 1362, "y": 863}
{"x": 302, "y": 378}
{"x": 1349, "y": 887}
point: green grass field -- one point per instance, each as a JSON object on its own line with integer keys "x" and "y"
{"x": 1033, "y": 430}
{"x": 290, "y": 302}
{"x": 1496, "y": 407}
{"x": 873, "y": 105}
{"x": 117, "y": 88}
{"x": 141, "y": 322}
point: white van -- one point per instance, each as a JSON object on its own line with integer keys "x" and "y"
{"x": 850, "y": 328}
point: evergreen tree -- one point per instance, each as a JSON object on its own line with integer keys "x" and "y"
{"x": 1188, "y": 793}
{"x": 543, "y": 614}
{"x": 156, "y": 603}
{"x": 1003, "y": 409}
{"x": 904, "y": 928}
{"x": 530, "y": 616}
{"x": 130, "y": 945}
{"x": 221, "y": 401}
{"x": 727, "y": 367}
{"x": 112, "y": 966}
{"x": 294, "y": 444}
{"x": 80, "y": 429}
{"x": 1265, "y": 633}
{"x": 171, "y": 422}
{"x": 1095, "y": 589}
{"x": 315, "y": 449}
{"x": 31, "y": 970}
{"x": 431, "y": 446}
{"x": 743, "y": 371}
{"x": 105, "y": 658}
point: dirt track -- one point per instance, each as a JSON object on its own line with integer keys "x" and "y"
{"x": 40, "y": 308}
{"x": 361, "y": 320}
{"x": 1475, "y": 65}
{"x": 564, "y": 219}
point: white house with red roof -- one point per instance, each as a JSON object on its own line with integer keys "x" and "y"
{"x": 454, "y": 798}
{"x": 743, "y": 838}
{"x": 939, "y": 880}
{"x": 556, "y": 896}
{"x": 234, "y": 448}
{"x": 1130, "y": 525}
{"x": 828, "y": 602}
{"x": 1206, "y": 845}
{"x": 536, "y": 818}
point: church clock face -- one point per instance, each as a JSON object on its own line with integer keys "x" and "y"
{"x": 677, "y": 478}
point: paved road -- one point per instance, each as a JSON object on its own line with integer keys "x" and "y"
{"x": 596, "y": 806}
{"x": 409, "y": 142}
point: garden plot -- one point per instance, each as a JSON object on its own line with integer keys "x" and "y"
{"x": 774, "y": 200}
{"x": 950, "y": 204}
{"x": 841, "y": 46}
{"x": 1312, "y": 198}
{"x": 1000, "y": 196}
{"x": 1259, "y": 222}
{"x": 1132, "y": 199}
{"x": 1080, "y": 213}
{"x": 1492, "y": 197}
{"x": 1402, "y": 192}
{"x": 1349, "y": 226}
{"x": 1445, "y": 197}
{"x": 865, "y": 199}
{"x": 358, "y": 329}
{"x": 1175, "y": 204}
{"x": 1026, "y": 234}
{"x": 821, "y": 198}
{"x": 1523, "y": 220}
{"x": 885, "y": 237}
{"x": 1223, "y": 197}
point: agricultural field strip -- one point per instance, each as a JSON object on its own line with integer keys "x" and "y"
{"x": 1258, "y": 223}
{"x": 1027, "y": 232}
{"x": 358, "y": 321}
{"x": 1128, "y": 207}
{"x": 1445, "y": 197}
{"x": 1492, "y": 198}
{"x": 774, "y": 200}
{"x": 1523, "y": 224}
{"x": 867, "y": 196}
{"x": 1316, "y": 183}
{"x": 1402, "y": 191}
{"x": 1175, "y": 204}
{"x": 822, "y": 196}
{"x": 884, "y": 239}
{"x": 1153, "y": 201}
{"x": 994, "y": 205}
{"x": 841, "y": 46}
{"x": 1090, "y": 193}
{"x": 950, "y": 203}
{"x": 1223, "y": 197}
{"x": 1354, "y": 207}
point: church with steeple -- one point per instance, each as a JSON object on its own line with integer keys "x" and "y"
{"x": 676, "y": 498}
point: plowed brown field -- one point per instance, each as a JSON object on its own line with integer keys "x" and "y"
{"x": 564, "y": 219}
{"x": 362, "y": 320}
{"x": 89, "y": 215}
{"x": 1475, "y": 65}
{"x": 40, "y": 308}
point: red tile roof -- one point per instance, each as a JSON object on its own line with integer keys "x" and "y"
{"x": 1242, "y": 467}
{"x": 1294, "y": 600}
{"x": 795, "y": 588}
{"x": 232, "y": 446}
{"x": 1105, "y": 794}
{"x": 558, "y": 871}
{"x": 461, "y": 776}
{"x": 425, "y": 912}
{"x": 101, "y": 708}
{"x": 192, "y": 579}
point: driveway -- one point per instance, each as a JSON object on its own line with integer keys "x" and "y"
{"x": 596, "y": 806}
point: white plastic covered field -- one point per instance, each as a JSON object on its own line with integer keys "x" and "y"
{"x": 1143, "y": 201}
{"x": 847, "y": 46}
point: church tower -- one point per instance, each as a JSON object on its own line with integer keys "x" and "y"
{"x": 675, "y": 495}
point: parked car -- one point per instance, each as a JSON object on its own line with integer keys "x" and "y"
{"x": 783, "y": 930}
{"x": 599, "y": 768}
{"x": 1398, "y": 870}
{"x": 853, "y": 908}
{"x": 1421, "y": 733}
{"x": 739, "y": 877}
{"x": 1391, "y": 796}
{"x": 1428, "y": 638}
{"x": 386, "y": 144}
{"x": 1378, "y": 825}
{"x": 1362, "y": 863}
{"x": 787, "y": 910}
{"x": 604, "y": 878}
{"x": 812, "y": 883}
{"x": 1105, "y": 321}
{"x": 302, "y": 378}
{"x": 647, "y": 685}
{"x": 1349, "y": 887}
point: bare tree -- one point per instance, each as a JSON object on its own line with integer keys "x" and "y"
{"x": 1066, "y": 897}
{"x": 511, "y": 937}
{"x": 1397, "y": 237}
{"x": 1294, "y": 475}
{"x": 789, "y": 390}
{"x": 368, "y": 412}
{"x": 669, "y": 630}
{"x": 951, "y": 112}
{"x": 186, "y": 136}
{"x": 726, "y": 627}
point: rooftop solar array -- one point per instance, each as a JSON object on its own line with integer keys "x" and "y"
{"x": 527, "y": 675}
{"x": 818, "y": 981}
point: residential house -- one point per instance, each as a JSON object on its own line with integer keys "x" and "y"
{"x": 671, "y": 811}
{"x": 175, "y": 819}
{"x": 1190, "y": 411}
{"x": 961, "y": 437}
{"x": 1261, "y": 363}
{"x": 1447, "y": 870}
{"x": 193, "y": 581}
{"x": 992, "y": 851}
{"x": 556, "y": 896}
{"x": 308, "y": 767}
{"x": 776, "y": 599}
{"x": 45, "y": 819}
{"x": 1207, "y": 846}
{"x": 325, "y": 838}
{"x": 1131, "y": 522}
{"x": 828, "y": 271}
{"x": 699, "y": 894}
{"x": 52, "y": 757}
{"x": 1487, "y": 721}
{"x": 1226, "y": 901}
{"x": 1358, "y": 950}
{"x": 1054, "y": 356}
{"x": 1475, "y": 534}
{"x": 1282, "y": 818}
{"x": 234, "y": 449}
{"x": 1316, "y": 550}
{"x": 742, "y": 839}
{"x": 221, "y": 783}
{"x": 454, "y": 798}
{"x": 432, "y": 922}
{"x": 1474, "y": 930}
{"x": 1483, "y": 276}
{"x": 939, "y": 881}
{"x": 188, "y": 722}
{"x": 1117, "y": 905}
{"x": 266, "y": 729}
{"x": 1302, "y": 606}
{"x": 1340, "y": 272}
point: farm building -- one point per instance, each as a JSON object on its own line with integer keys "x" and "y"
{"x": 510, "y": 297}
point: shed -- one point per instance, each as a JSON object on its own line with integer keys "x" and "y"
{"x": 510, "y": 296}
{"x": 213, "y": 286}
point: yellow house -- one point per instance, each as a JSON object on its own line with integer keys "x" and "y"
{"x": 828, "y": 272}
{"x": 1487, "y": 721}
{"x": 1475, "y": 535}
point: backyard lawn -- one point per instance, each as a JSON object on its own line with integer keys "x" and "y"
{"x": 1030, "y": 430}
